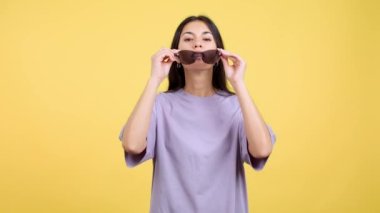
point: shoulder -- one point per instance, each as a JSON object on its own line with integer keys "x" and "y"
{"x": 165, "y": 96}
{"x": 165, "y": 99}
{"x": 230, "y": 99}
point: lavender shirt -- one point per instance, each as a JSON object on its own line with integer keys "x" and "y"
{"x": 198, "y": 146}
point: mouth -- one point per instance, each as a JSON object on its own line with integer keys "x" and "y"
{"x": 197, "y": 55}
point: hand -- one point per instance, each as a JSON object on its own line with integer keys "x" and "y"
{"x": 161, "y": 63}
{"x": 234, "y": 72}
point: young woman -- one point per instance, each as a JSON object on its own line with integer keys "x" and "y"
{"x": 198, "y": 133}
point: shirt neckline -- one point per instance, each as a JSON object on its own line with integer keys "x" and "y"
{"x": 195, "y": 97}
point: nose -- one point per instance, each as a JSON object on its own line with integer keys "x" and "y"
{"x": 197, "y": 44}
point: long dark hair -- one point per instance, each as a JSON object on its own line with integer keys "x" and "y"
{"x": 177, "y": 74}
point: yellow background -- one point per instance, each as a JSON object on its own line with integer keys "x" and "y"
{"x": 72, "y": 71}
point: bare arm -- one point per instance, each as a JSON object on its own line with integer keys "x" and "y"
{"x": 136, "y": 129}
{"x": 258, "y": 135}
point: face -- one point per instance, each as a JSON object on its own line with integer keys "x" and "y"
{"x": 196, "y": 36}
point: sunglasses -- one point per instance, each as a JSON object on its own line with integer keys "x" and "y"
{"x": 208, "y": 56}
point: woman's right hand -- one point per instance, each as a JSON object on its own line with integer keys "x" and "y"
{"x": 161, "y": 63}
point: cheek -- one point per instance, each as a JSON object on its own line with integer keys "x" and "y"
{"x": 213, "y": 44}
{"x": 183, "y": 45}
{"x": 209, "y": 44}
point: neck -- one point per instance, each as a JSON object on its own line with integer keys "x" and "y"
{"x": 199, "y": 82}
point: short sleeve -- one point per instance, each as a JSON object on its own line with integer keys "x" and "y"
{"x": 256, "y": 163}
{"x": 133, "y": 160}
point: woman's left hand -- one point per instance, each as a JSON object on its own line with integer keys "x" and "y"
{"x": 235, "y": 71}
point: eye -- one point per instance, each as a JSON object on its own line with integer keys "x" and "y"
{"x": 207, "y": 39}
{"x": 187, "y": 39}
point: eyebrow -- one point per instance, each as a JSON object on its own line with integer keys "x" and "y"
{"x": 191, "y": 33}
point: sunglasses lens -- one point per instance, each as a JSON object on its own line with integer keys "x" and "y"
{"x": 186, "y": 56}
{"x": 211, "y": 56}
{"x": 189, "y": 57}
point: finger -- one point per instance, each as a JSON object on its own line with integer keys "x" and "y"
{"x": 236, "y": 58}
{"x": 239, "y": 59}
{"x": 166, "y": 59}
{"x": 172, "y": 56}
{"x": 233, "y": 59}
{"x": 160, "y": 52}
{"x": 225, "y": 62}
{"x": 229, "y": 54}
{"x": 229, "y": 60}
{"x": 224, "y": 53}
{"x": 168, "y": 56}
{"x": 175, "y": 54}
{"x": 162, "y": 48}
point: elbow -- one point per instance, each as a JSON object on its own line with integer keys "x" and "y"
{"x": 132, "y": 148}
{"x": 266, "y": 149}
{"x": 264, "y": 152}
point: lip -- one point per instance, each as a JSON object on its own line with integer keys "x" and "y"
{"x": 197, "y": 56}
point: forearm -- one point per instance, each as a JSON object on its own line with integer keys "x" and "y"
{"x": 136, "y": 129}
{"x": 258, "y": 136}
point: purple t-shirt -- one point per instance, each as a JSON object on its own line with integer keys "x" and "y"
{"x": 198, "y": 146}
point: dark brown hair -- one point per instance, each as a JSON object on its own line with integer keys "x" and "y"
{"x": 177, "y": 75}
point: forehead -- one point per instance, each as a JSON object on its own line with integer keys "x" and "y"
{"x": 196, "y": 27}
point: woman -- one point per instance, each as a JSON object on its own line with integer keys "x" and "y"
{"x": 198, "y": 133}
